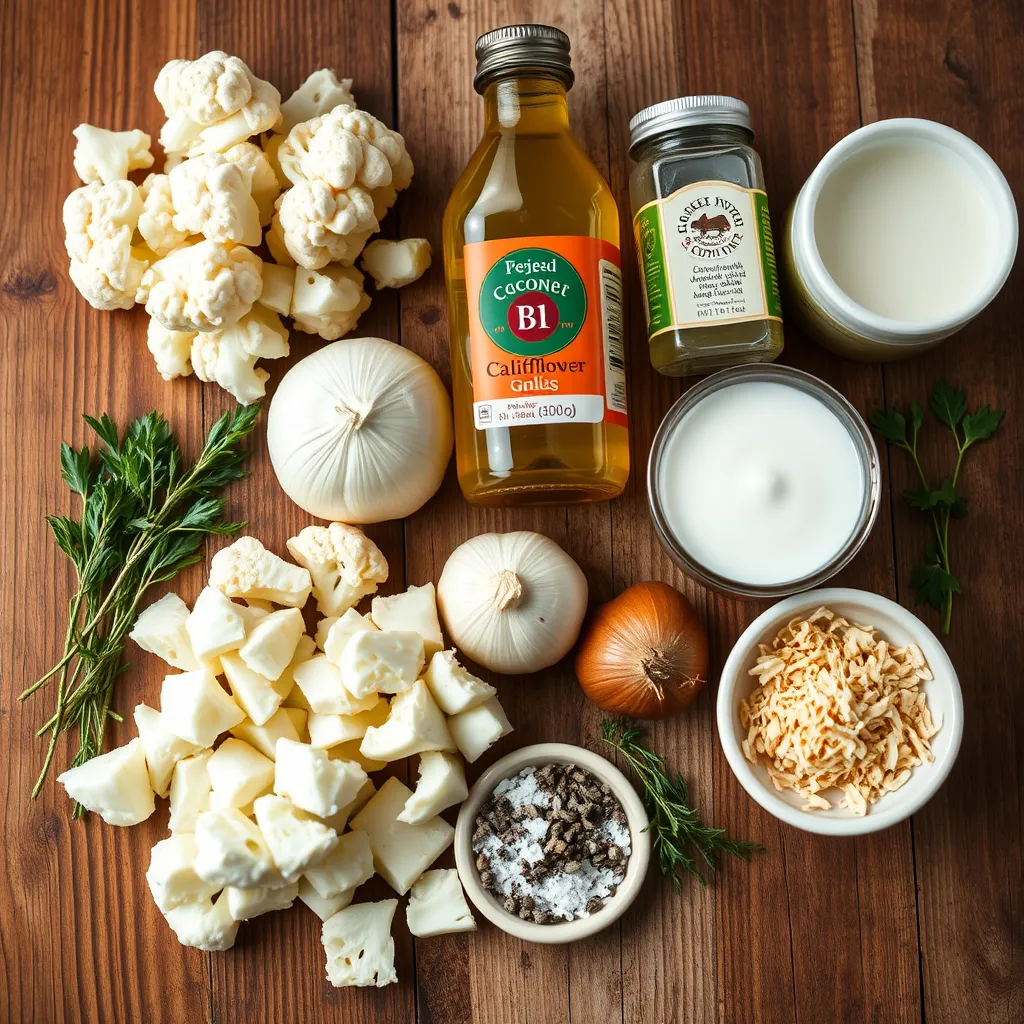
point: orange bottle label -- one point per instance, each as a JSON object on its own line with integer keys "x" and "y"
{"x": 545, "y": 331}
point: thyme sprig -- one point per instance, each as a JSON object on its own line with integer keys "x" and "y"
{"x": 678, "y": 835}
{"x": 145, "y": 514}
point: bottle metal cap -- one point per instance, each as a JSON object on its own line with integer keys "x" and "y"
{"x": 525, "y": 47}
{"x": 685, "y": 112}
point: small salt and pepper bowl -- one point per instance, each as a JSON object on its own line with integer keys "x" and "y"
{"x": 604, "y": 771}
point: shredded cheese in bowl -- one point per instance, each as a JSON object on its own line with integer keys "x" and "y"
{"x": 836, "y": 705}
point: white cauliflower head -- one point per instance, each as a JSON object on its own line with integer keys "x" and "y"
{"x": 328, "y": 302}
{"x": 99, "y": 221}
{"x": 156, "y": 222}
{"x": 318, "y": 94}
{"x": 170, "y": 349}
{"x": 345, "y": 565}
{"x": 229, "y": 357}
{"x": 203, "y": 287}
{"x": 212, "y": 103}
{"x": 263, "y": 179}
{"x": 344, "y": 147}
{"x": 247, "y": 569}
{"x": 106, "y": 156}
{"x": 212, "y": 197}
{"x": 319, "y": 224}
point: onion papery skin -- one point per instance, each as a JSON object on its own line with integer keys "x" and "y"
{"x": 644, "y": 654}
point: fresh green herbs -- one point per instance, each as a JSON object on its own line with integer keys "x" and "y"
{"x": 678, "y": 834}
{"x": 933, "y": 581}
{"x": 145, "y": 515}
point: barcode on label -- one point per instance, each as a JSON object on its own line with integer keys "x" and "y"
{"x": 614, "y": 349}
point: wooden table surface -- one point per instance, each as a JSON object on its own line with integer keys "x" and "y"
{"x": 920, "y": 922}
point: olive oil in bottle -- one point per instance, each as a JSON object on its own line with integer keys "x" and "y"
{"x": 531, "y": 248}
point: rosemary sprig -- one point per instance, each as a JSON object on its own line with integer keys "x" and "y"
{"x": 677, "y": 832}
{"x": 145, "y": 515}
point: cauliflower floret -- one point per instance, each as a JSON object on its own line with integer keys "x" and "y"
{"x": 328, "y": 302}
{"x": 156, "y": 222}
{"x": 275, "y": 244}
{"x": 345, "y": 565}
{"x": 212, "y": 197}
{"x": 396, "y": 264}
{"x": 317, "y": 95}
{"x": 271, "y": 148}
{"x": 321, "y": 225}
{"x": 212, "y": 103}
{"x": 247, "y": 569}
{"x": 263, "y": 178}
{"x": 99, "y": 221}
{"x": 346, "y": 147}
{"x": 229, "y": 356}
{"x": 204, "y": 287}
{"x": 106, "y": 156}
{"x": 170, "y": 349}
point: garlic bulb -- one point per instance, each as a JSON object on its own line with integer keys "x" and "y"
{"x": 360, "y": 431}
{"x": 513, "y": 602}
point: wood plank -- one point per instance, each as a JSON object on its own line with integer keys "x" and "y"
{"x": 959, "y": 64}
{"x": 65, "y": 926}
{"x": 285, "y": 42}
{"x": 502, "y": 977}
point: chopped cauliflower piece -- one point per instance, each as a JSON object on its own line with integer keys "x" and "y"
{"x": 114, "y": 785}
{"x": 278, "y": 285}
{"x": 190, "y": 792}
{"x": 360, "y": 949}
{"x": 319, "y": 224}
{"x": 342, "y": 629}
{"x": 415, "y": 724}
{"x": 285, "y": 723}
{"x": 263, "y": 179}
{"x": 345, "y": 565}
{"x": 453, "y": 687}
{"x": 204, "y": 924}
{"x": 330, "y": 730}
{"x": 106, "y": 156}
{"x": 163, "y": 748}
{"x": 382, "y": 661}
{"x": 212, "y": 197}
{"x": 320, "y": 683}
{"x": 195, "y": 707}
{"x": 328, "y": 302}
{"x": 274, "y": 238}
{"x": 271, "y": 147}
{"x": 441, "y": 784}
{"x": 344, "y": 147}
{"x": 228, "y": 357}
{"x": 170, "y": 349}
{"x": 99, "y": 221}
{"x": 160, "y": 630}
{"x": 156, "y": 222}
{"x": 213, "y": 103}
{"x": 396, "y": 264}
{"x": 479, "y": 728}
{"x": 347, "y": 866}
{"x": 321, "y": 907}
{"x": 272, "y": 642}
{"x": 312, "y": 781}
{"x": 203, "y": 287}
{"x": 215, "y": 625}
{"x": 297, "y": 841}
{"x": 238, "y": 774}
{"x": 416, "y": 610}
{"x": 256, "y": 695}
{"x": 317, "y": 95}
{"x": 323, "y": 628}
{"x": 247, "y": 569}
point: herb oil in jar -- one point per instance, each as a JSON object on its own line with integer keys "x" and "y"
{"x": 703, "y": 237}
{"x": 531, "y": 247}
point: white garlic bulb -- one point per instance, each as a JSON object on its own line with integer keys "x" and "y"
{"x": 513, "y": 602}
{"x": 360, "y": 431}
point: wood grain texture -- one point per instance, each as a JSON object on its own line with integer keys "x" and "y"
{"x": 923, "y": 921}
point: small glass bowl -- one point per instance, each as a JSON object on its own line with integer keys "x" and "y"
{"x": 847, "y": 415}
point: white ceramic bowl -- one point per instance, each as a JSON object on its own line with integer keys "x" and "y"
{"x": 894, "y": 623}
{"x": 636, "y": 869}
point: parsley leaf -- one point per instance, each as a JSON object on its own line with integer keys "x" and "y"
{"x": 948, "y": 403}
{"x": 890, "y": 424}
{"x": 981, "y": 425}
{"x": 934, "y": 585}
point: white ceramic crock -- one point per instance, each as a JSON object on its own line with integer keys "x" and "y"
{"x": 834, "y": 319}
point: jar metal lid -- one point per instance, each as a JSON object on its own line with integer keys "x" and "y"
{"x": 686, "y": 112}
{"x": 504, "y": 49}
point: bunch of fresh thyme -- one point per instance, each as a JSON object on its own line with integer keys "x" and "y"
{"x": 677, "y": 833}
{"x": 933, "y": 580}
{"x": 145, "y": 514}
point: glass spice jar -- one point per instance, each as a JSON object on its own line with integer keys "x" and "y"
{"x": 703, "y": 237}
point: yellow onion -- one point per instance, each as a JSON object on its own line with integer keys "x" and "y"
{"x": 644, "y": 654}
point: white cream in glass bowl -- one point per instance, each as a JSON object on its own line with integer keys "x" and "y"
{"x": 763, "y": 481}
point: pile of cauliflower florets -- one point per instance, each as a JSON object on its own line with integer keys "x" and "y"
{"x": 312, "y": 177}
